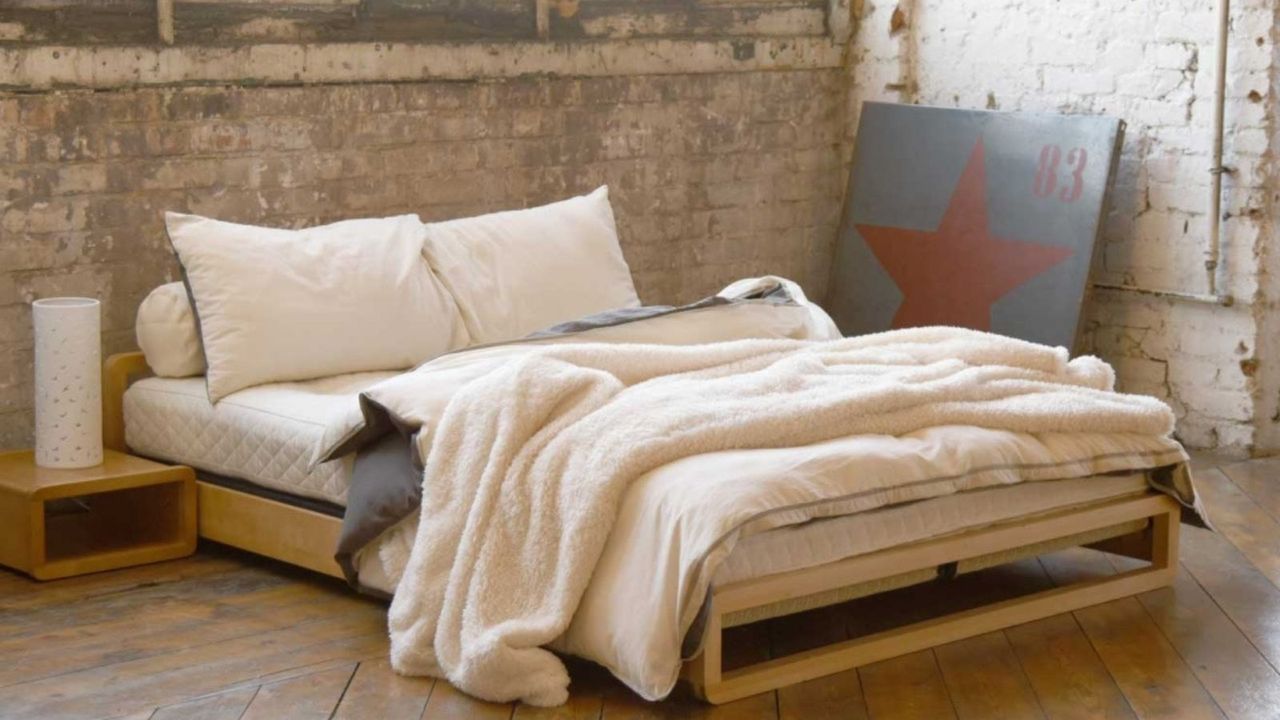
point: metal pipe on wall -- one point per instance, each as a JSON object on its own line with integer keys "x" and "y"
{"x": 1225, "y": 300}
{"x": 1213, "y": 247}
{"x": 1213, "y": 251}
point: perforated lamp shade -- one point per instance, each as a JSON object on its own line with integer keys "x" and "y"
{"x": 68, "y": 360}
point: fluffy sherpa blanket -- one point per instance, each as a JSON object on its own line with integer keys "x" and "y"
{"x": 528, "y": 463}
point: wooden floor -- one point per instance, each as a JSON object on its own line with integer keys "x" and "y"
{"x": 225, "y": 635}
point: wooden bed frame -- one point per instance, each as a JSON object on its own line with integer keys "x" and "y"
{"x": 260, "y": 525}
{"x": 1141, "y": 526}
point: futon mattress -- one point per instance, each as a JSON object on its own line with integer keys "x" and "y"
{"x": 266, "y": 435}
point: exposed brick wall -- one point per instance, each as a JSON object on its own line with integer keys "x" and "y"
{"x": 713, "y": 177}
{"x": 723, "y": 135}
{"x": 1152, "y": 65}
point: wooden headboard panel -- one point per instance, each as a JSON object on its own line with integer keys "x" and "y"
{"x": 117, "y": 373}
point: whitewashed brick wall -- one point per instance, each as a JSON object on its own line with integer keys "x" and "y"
{"x": 1152, "y": 64}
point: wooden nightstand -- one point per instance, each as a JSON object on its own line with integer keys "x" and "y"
{"x": 126, "y": 511}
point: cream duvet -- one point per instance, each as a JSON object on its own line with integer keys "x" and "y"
{"x": 582, "y": 495}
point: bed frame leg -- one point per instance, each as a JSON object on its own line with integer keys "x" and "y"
{"x": 703, "y": 671}
{"x": 711, "y": 683}
{"x": 1165, "y": 529}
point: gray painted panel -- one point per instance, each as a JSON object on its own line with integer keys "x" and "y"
{"x": 914, "y": 224}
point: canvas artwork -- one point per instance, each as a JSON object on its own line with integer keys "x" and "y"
{"x": 977, "y": 219}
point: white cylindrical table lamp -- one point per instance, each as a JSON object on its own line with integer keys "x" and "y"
{"x": 68, "y": 360}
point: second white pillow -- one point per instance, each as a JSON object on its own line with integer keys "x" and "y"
{"x": 275, "y": 305}
{"x": 513, "y": 273}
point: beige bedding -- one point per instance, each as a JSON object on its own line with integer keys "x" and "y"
{"x": 530, "y": 468}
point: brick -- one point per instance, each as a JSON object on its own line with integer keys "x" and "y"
{"x": 80, "y": 179}
{"x": 1222, "y": 404}
{"x": 1078, "y": 81}
{"x": 1176, "y": 56}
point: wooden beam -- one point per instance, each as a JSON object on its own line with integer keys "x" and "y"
{"x": 840, "y": 20}
{"x": 542, "y": 13}
{"x": 108, "y": 67}
{"x": 295, "y": 535}
{"x": 164, "y": 20}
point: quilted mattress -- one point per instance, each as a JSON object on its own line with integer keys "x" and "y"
{"x": 267, "y": 435}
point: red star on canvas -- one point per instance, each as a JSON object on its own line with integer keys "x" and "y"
{"x": 954, "y": 274}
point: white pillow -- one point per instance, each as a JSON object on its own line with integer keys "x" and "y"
{"x": 276, "y": 305}
{"x": 516, "y": 272}
{"x": 167, "y": 332}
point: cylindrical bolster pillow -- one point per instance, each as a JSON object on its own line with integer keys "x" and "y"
{"x": 167, "y": 333}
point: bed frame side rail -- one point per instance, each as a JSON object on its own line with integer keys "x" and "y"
{"x": 715, "y": 685}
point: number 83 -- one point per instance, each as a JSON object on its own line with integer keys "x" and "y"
{"x": 1046, "y": 180}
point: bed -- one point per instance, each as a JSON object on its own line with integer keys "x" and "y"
{"x": 256, "y": 494}
{"x": 811, "y": 490}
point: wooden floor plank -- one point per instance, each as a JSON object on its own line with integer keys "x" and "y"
{"x": 908, "y": 687}
{"x": 47, "y": 619}
{"x": 1065, "y": 672}
{"x": 1240, "y": 680}
{"x": 308, "y": 697}
{"x": 307, "y": 668}
{"x": 447, "y": 703}
{"x": 1244, "y": 594}
{"x": 1250, "y": 528}
{"x": 1076, "y": 565}
{"x": 933, "y": 599}
{"x": 172, "y": 625}
{"x": 12, "y": 581}
{"x": 985, "y": 679}
{"x": 1260, "y": 480}
{"x": 60, "y": 626}
{"x": 376, "y": 691}
{"x": 588, "y": 683}
{"x": 626, "y": 705}
{"x": 1153, "y": 677}
{"x": 172, "y": 677}
{"x": 26, "y": 593}
{"x": 228, "y": 705}
{"x": 246, "y": 589}
{"x": 834, "y": 696}
{"x": 1201, "y": 460}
